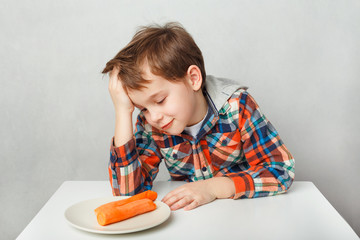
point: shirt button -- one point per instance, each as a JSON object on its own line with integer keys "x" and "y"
{"x": 175, "y": 155}
{"x": 203, "y": 169}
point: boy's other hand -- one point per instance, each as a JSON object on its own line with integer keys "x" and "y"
{"x": 118, "y": 94}
{"x": 190, "y": 196}
{"x": 194, "y": 194}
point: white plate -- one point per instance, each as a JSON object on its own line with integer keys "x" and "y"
{"x": 82, "y": 216}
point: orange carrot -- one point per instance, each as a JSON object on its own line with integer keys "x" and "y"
{"x": 147, "y": 194}
{"x": 110, "y": 215}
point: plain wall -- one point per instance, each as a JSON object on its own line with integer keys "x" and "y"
{"x": 300, "y": 59}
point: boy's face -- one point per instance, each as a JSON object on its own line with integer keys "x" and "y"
{"x": 167, "y": 106}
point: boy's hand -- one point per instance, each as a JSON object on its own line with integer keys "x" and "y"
{"x": 118, "y": 94}
{"x": 194, "y": 194}
{"x": 189, "y": 196}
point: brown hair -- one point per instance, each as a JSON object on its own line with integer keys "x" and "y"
{"x": 169, "y": 51}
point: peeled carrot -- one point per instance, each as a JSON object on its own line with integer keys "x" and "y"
{"x": 110, "y": 215}
{"x": 147, "y": 194}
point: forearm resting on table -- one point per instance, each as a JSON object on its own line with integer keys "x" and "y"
{"x": 123, "y": 128}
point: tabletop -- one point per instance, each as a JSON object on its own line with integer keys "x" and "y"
{"x": 301, "y": 213}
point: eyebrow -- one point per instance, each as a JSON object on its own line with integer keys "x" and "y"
{"x": 152, "y": 96}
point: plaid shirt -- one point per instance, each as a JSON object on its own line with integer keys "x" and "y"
{"x": 235, "y": 140}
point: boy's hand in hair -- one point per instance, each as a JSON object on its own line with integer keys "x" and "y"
{"x": 123, "y": 109}
{"x": 119, "y": 96}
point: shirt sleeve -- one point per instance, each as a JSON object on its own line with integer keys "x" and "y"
{"x": 271, "y": 166}
{"x": 134, "y": 165}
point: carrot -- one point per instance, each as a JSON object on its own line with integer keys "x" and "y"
{"x": 147, "y": 194}
{"x": 110, "y": 215}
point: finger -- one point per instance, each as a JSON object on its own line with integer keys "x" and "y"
{"x": 167, "y": 196}
{"x": 114, "y": 77}
{"x": 172, "y": 199}
{"x": 172, "y": 194}
{"x": 192, "y": 205}
{"x": 115, "y": 71}
{"x": 181, "y": 203}
{"x": 112, "y": 84}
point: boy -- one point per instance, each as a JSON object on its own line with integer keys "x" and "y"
{"x": 209, "y": 131}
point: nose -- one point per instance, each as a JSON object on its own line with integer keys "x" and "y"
{"x": 156, "y": 116}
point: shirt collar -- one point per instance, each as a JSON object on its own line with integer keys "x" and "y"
{"x": 217, "y": 91}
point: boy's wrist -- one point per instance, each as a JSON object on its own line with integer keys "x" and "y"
{"x": 123, "y": 127}
{"x": 222, "y": 187}
{"x": 121, "y": 112}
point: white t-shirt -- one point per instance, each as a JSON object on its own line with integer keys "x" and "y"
{"x": 194, "y": 129}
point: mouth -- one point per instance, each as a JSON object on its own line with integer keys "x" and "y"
{"x": 166, "y": 126}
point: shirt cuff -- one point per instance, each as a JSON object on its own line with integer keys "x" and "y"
{"x": 123, "y": 155}
{"x": 244, "y": 185}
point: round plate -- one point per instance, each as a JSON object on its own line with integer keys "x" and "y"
{"x": 82, "y": 216}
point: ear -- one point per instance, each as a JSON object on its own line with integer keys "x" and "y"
{"x": 194, "y": 77}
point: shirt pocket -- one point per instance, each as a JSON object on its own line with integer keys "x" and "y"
{"x": 178, "y": 158}
{"x": 225, "y": 149}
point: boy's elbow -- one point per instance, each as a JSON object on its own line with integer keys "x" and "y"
{"x": 284, "y": 174}
{"x": 289, "y": 183}
{"x": 290, "y": 174}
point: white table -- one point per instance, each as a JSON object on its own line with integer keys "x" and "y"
{"x": 302, "y": 213}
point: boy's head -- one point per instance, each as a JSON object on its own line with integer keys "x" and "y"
{"x": 169, "y": 51}
{"x": 163, "y": 71}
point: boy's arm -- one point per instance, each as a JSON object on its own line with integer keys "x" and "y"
{"x": 134, "y": 165}
{"x": 271, "y": 166}
{"x": 131, "y": 168}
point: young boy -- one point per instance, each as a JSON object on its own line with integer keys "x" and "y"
{"x": 209, "y": 131}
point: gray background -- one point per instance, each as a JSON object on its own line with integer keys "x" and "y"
{"x": 300, "y": 59}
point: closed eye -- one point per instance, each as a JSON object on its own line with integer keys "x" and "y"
{"x": 161, "y": 101}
